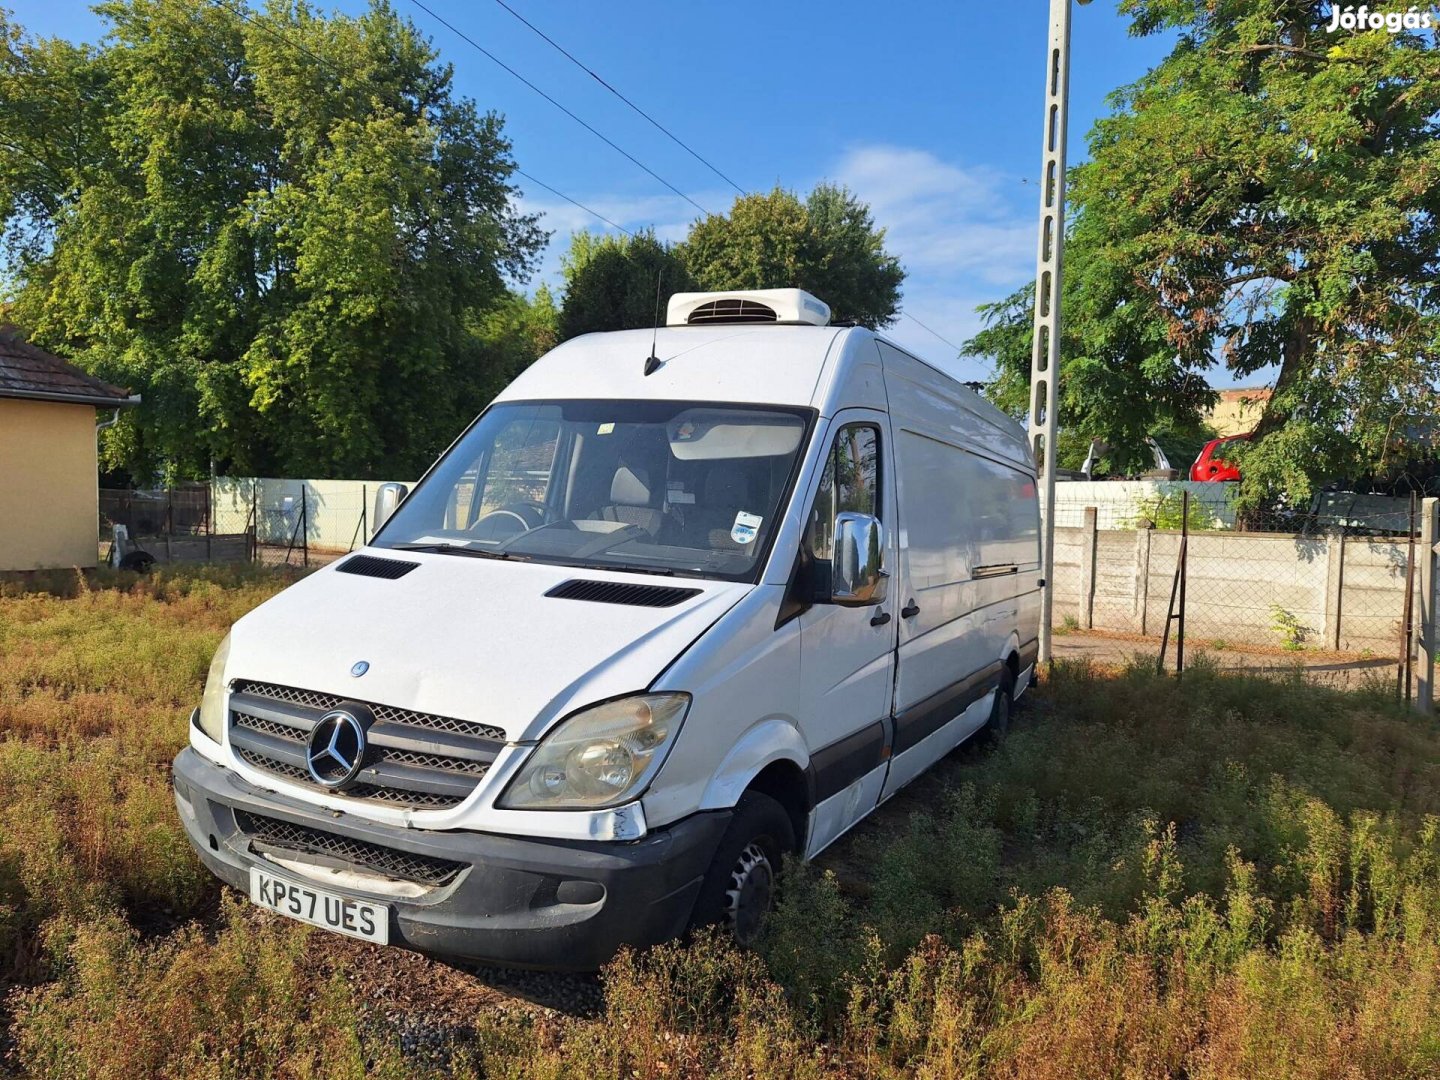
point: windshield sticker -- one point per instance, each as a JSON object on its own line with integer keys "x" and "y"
{"x": 745, "y": 527}
{"x": 605, "y": 429}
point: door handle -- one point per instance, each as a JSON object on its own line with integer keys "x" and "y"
{"x": 880, "y": 618}
{"x": 910, "y": 610}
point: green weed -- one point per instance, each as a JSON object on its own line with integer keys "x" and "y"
{"x": 1229, "y": 876}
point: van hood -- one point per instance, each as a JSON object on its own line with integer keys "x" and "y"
{"x": 474, "y": 639}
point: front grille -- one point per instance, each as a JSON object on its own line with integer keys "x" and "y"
{"x": 417, "y": 765}
{"x": 392, "y": 862}
{"x": 310, "y": 699}
{"x": 269, "y": 764}
{"x": 414, "y": 800}
{"x": 307, "y": 698}
{"x": 269, "y": 727}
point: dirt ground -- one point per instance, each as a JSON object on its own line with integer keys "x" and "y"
{"x": 1340, "y": 669}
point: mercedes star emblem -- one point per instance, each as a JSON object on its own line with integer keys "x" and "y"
{"x": 336, "y": 750}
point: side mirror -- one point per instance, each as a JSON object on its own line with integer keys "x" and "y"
{"x": 857, "y": 577}
{"x": 387, "y": 498}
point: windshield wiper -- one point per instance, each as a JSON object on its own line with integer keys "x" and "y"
{"x": 455, "y": 549}
{"x": 624, "y": 568}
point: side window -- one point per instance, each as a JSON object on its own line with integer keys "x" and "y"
{"x": 851, "y": 482}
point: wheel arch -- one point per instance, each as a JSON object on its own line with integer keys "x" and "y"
{"x": 770, "y": 758}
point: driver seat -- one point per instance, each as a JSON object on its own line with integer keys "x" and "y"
{"x": 631, "y": 501}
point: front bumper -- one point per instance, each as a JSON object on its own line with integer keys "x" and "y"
{"x": 523, "y": 902}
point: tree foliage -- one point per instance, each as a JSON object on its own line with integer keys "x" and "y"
{"x": 613, "y": 282}
{"x": 1265, "y": 200}
{"x": 827, "y": 244}
{"x": 285, "y": 232}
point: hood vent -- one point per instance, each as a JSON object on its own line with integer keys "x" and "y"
{"x": 370, "y": 566}
{"x": 621, "y": 592}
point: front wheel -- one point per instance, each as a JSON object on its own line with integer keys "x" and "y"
{"x": 739, "y": 890}
{"x": 998, "y": 725}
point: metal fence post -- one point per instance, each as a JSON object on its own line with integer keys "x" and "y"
{"x": 1177, "y": 592}
{"x": 1407, "y": 620}
{"x": 169, "y": 522}
{"x": 254, "y": 519}
{"x": 209, "y": 509}
{"x": 1142, "y": 578}
{"x": 1184, "y": 575}
{"x": 1334, "y": 585}
{"x": 304, "y": 528}
{"x": 1429, "y": 623}
{"x": 1088, "y": 554}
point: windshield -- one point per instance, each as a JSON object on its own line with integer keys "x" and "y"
{"x": 659, "y": 487}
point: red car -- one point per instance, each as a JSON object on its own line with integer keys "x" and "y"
{"x": 1211, "y": 464}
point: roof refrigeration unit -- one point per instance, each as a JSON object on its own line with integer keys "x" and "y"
{"x": 784, "y": 307}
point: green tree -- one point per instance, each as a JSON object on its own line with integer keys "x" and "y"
{"x": 513, "y": 334}
{"x": 1120, "y": 378}
{"x": 828, "y": 245}
{"x": 281, "y": 231}
{"x": 612, "y": 282}
{"x": 1267, "y": 199}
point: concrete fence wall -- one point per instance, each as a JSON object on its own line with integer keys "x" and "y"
{"x": 1118, "y": 503}
{"x": 1340, "y": 593}
{"x": 337, "y": 512}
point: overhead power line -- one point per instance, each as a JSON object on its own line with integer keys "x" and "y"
{"x": 588, "y": 127}
{"x": 262, "y": 24}
{"x": 575, "y": 202}
{"x": 672, "y": 136}
{"x": 279, "y": 35}
{"x": 595, "y": 75}
{"x": 927, "y": 329}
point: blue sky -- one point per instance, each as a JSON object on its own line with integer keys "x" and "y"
{"x": 930, "y": 111}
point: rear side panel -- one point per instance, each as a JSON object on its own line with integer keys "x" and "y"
{"x": 969, "y": 568}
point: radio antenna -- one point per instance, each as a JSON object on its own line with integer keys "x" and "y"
{"x": 652, "y": 364}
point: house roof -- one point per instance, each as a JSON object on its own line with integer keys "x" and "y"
{"x": 32, "y": 373}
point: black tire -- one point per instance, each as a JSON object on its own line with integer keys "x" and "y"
{"x": 760, "y": 835}
{"x": 139, "y": 561}
{"x": 998, "y": 725}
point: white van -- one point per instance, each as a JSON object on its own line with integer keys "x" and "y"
{"x": 673, "y": 606}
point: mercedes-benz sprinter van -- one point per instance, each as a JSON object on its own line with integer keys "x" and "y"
{"x": 676, "y": 604}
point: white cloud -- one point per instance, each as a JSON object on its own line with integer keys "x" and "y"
{"x": 942, "y": 218}
{"x": 669, "y": 215}
{"x": 965, "y": 234}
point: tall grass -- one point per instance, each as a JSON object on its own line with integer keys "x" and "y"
{"x": 1224, "y": 877}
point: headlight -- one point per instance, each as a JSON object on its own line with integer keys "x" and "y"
{"x": 212, "y": 705}
{"x": 599, "y": 757}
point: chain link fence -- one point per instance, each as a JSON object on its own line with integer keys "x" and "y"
{"x": 1340, "y": 592}
{"x": 165, "y": 525}
{"x": 1343, "y": 591}
{"x": 301, "y": 523}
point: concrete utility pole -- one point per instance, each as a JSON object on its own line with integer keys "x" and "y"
{"x": 1045, "y": 350}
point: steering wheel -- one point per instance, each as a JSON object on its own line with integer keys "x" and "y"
{"x": 511, "y": 520}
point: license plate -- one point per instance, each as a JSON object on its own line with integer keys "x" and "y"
{"x": 361, "y": 919}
